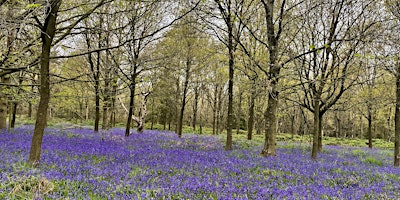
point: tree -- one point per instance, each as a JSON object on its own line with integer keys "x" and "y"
{"x": 273, "y": 34}
{"x": 225, "y": 13}
{"x": 394, "y": 8}
{"x": 48, "y": 31}
{"x": 328, "y": 72}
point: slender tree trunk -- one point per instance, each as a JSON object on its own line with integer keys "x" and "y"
{"x": 231, "y": 49}
{"x": 292, "y": 123}
{"x": 4, "y": 102}
{"x": 97, "y": 105}
{"x": 152, "y": 115}
{"x": 105, "y": 123}
{"x": 214, "y": 127}
{"x": 13, "y": 114}
{"x": 238, "y": 114}
{"x": 250, "y": 122}
{"x": 29, "y": 110}
{"x": 177, "y": 96}
{"x": 183, "y": 103}
{"x": 47, "y": 35}
{"x": 195, "y": 107}
{"x": 320, "y": 132}
{"x": 369, "y": 118}
{"x": 130, "y": 112}
{"x": 397, "y": 121}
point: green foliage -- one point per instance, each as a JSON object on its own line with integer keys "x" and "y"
{"x": 33, "y": 5}
{"x": 373, "y": 161}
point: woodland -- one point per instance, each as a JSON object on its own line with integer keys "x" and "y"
{"x": 208, "y": 92}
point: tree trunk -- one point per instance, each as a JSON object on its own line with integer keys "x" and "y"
{"x": 273, "y": 76}
{"x": 130, "y": 112}
{"x": 320, "y": 132}
{"x": 4, "y": 102}
{"x": 177, "y": 96}
{"x": 369, "y": 118}
{"x": 292, "y": 123}
{"x": 97, "y": 105}
{"x": 270, "y": 117}
{"x": 250, "y": 122}
{"x": 47, "y": 35}
{"x": 13, "y": 114}
{"x": 215, "y": 110}
{"x": 142, "y": 115}
{"x": 316, "y": 128}
{"x": 231, "y": 50}
{"x": 105, "y": 123}
{"x": 195, "y": 107}
{"x": 397, "y": 121}
{"x": 183, "y": 103}
{"x": 238, "y": 114}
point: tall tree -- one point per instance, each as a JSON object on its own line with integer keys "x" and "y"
{"x": 394, "y": 8}
{"x": 327, "y": 73}
{"x": 224, "y": 12}
{"x": 48, "y": 31}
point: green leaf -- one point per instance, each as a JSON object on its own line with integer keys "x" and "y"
{"x": 33, "y": 5}
{"x": 312, "y": 47}
{"x": 326, "y": 46}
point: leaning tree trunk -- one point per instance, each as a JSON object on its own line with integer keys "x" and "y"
{"x": 47, "y": 35}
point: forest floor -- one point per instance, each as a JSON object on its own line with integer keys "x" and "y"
{"x": 77, "y": 163}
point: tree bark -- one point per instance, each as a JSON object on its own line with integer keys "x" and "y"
{"x": 131, "y": 104}
{"x": 4, "y": 102}
{"x": 270, "y": 116}
{"x": 250, "y": 122}
{"x": 185, "y": 89}
{"x": 231, "y": 50}
{"x": 195, "y": 107}
{"x": 397, "y": 121}
{"x": 13, "y": 114}
{"x": 95, "y": 69}
{"x": 316, "y": 131}
{"x": 369, "y": 118}
{"x": 215, "y": 110}
{"x": 238, "y": 114}
{"x": 47, "y": 35}
{"x": 320, "y": 131}
{"x": 273, "y": 76}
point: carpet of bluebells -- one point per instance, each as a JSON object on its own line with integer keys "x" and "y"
{"x": 78, "y": 164}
